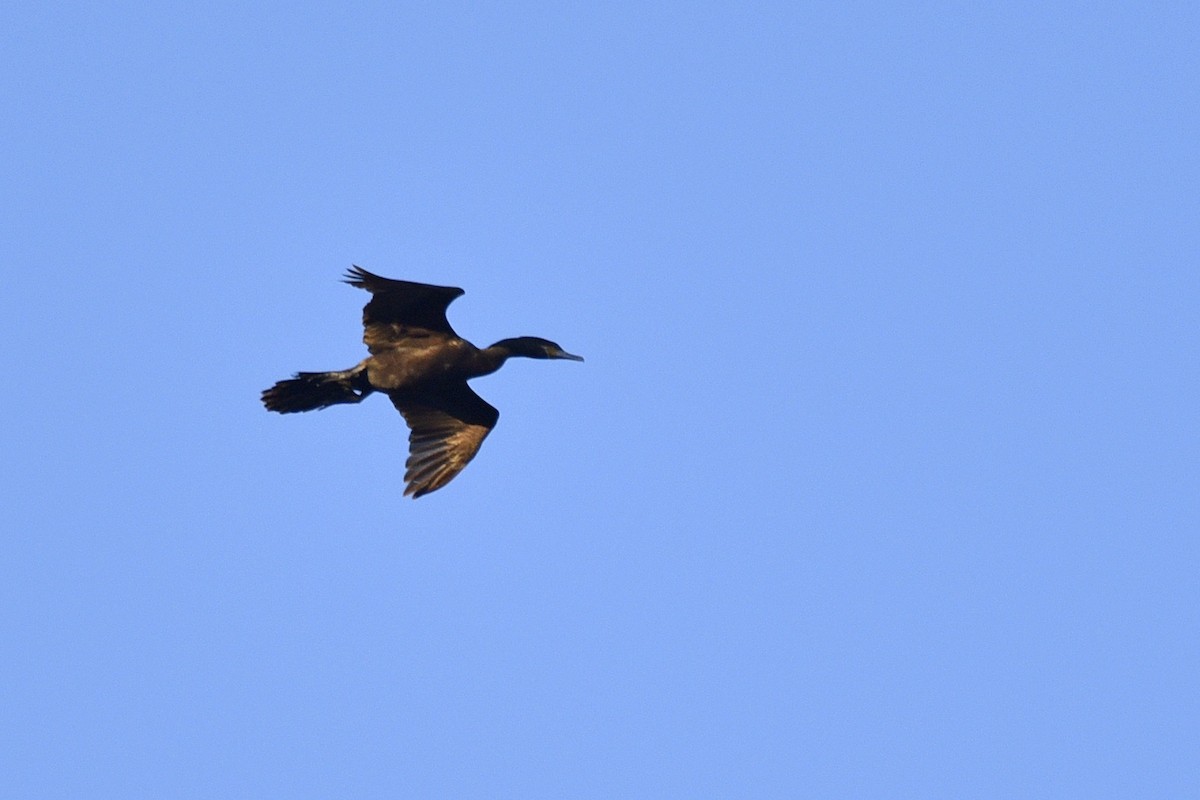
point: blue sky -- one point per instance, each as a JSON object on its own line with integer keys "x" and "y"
{"x": 880, "y": 479}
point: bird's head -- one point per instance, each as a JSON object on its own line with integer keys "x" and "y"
{"x": 534, "y": 347}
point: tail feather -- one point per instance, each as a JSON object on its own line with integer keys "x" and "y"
{"x": 309, "y": 391}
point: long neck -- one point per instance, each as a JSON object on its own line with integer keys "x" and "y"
{"x": 490, "y": 359}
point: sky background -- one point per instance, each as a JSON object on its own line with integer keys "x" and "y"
{"x": 880, "y": 478}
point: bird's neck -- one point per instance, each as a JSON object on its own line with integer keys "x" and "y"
{"x": 490, "y": 359}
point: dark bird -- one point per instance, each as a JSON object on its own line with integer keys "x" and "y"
{"x": 423, "y": 366}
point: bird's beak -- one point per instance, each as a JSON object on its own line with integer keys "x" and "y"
{"x": 568, "y": 356}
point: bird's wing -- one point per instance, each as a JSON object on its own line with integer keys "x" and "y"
{"x": 399, "y": 310}
{"x": 448, "y": 424}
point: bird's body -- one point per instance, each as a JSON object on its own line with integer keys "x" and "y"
{"x": 423, "y": 366}
{"x": 416, "y": 361}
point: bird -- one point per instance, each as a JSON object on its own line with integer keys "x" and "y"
{"x": 423, "y": 366}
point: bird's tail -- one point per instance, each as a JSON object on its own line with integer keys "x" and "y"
{"x": 312, "y": 390}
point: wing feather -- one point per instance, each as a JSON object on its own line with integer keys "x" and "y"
{"x": 400, "y": 310}
{"x": 448, "y": 424}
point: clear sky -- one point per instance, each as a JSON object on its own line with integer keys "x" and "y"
{"x": 880, "y": 478}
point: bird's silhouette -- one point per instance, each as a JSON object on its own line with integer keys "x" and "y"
{"x": 418, "y": 361}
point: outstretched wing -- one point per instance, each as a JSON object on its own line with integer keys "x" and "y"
{"x": 400, "y": 310}
{"x": 448, "y": 424}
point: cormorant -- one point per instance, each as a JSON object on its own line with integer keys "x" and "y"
{"x": 423, "y": 366}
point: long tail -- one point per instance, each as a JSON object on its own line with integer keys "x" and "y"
{"x": 312, "y": 390}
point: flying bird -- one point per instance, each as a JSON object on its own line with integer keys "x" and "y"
{"x": 423, "y": 366}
